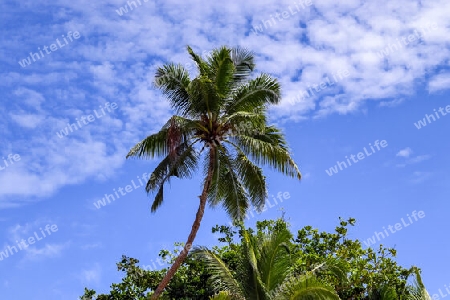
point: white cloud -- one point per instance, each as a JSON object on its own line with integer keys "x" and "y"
{"x": 91, "y": 246}
{"x": 56, "y": 163}
{"x": 92, "y": 275}
{"x": 39, "y": 249}
{"x": 116, "y": 57}
{"x": 393, "y": 103}
{"x": 47, "y": 251}
{"x": 414, "y": 160}
{"x": 28, "y": 120}
{"x": 30, "y": 97}
{"x": 418, "y": 159}
{"x": 419, "y": 177}
{"x": 18, "y": 231}
{"x": 439, "y": 82}
{"x": 405, "y": 152}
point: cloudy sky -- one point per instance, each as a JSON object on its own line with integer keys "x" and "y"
{"x": 365, "y": 97}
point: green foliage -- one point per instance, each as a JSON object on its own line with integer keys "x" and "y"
{"x": 305, "y": 287}
{"x": 222, "y": 296}
{"x": 190, "y": 282}
{"x": 269, "y": 262}
{"x": 365, "y": 269}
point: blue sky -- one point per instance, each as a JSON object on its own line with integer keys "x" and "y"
{"x": 352, "y": 74}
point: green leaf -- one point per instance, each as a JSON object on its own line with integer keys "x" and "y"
{"x": 268, "y": 148}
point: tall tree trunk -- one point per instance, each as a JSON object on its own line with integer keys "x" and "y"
{"x": 195, "y": 226}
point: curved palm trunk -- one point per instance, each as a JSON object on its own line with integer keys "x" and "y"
{"x": 195, "y": 226}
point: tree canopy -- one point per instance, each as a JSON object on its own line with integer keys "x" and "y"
{"x": 327, "y": 259}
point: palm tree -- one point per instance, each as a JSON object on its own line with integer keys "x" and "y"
{"x": 207, "y": 129}
{"x": 265, "y": 271}
{"x": 416, "y": 291}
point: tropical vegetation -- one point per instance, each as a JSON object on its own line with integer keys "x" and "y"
{"x": 271, "y": 262}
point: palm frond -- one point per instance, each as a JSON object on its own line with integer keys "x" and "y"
{"x": 384, "y": 292}
{"x": 332, "y": 269}
{"x": 305, "y": 287}
{"x": 262, "y": 90}
{"x": 159, "y": 144}
{"x": 223, "y": 69}
{"x": 230, "y": 190}
{"x": 151, "y": 146}
{"x": 173, "y": 80}
{"x": 222, "y": 278}
{"x": 236, "y": 181}
{"x": 247, "y": 123}
{"x": 183, "y": 165}
{"x": 201, "y": 64}
{"x": 275, "y": 260}
{"x": 268, "y": 148}
{"x": 417, "y": 291}
{"x": 203, "y": 96}
{"x": 248, "y": 270}
{"x": 253, "y": 180}
{"x": 213, "y": 198}
{"x": 243, "y": 60}
{"x": 222, "y": 296}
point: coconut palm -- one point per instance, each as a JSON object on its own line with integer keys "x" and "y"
{"x": 415, "y": 291}
{"x": 207, "y": 131}
{"x": 265, "y": 271}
